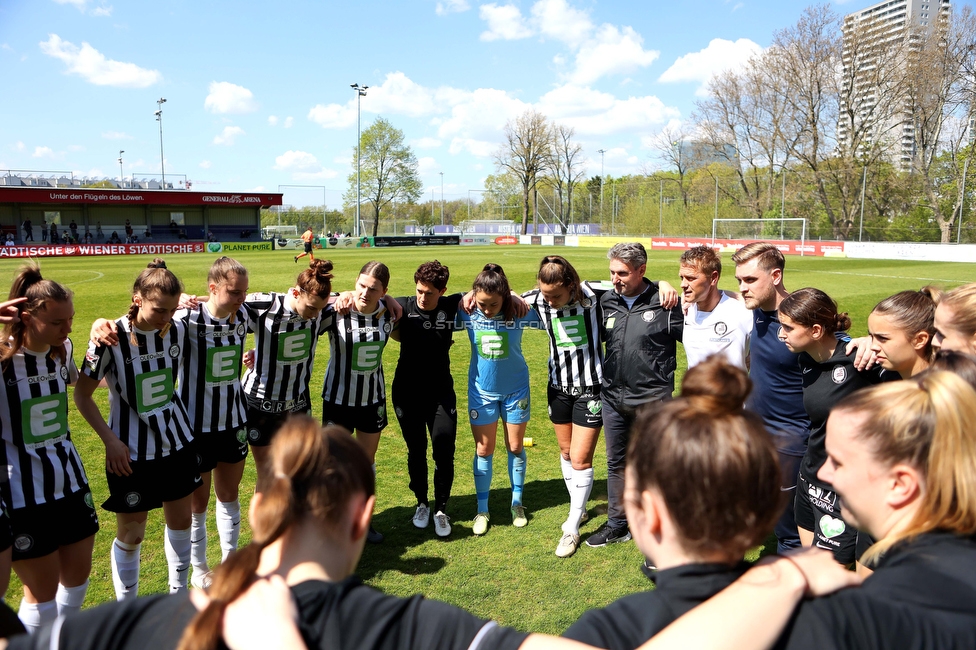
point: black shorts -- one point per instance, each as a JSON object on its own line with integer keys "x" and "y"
{"x": 366, "y": 419}
{"x": 817, "y": 508}
{"x": 308, "y": 247}
{"x": 228, "y": 446}
{"x": 153, "y": 482}
{"x": 6, "y": 539}
{"x": 263, "y": 423}
{"x": 41, "y": 530}
{"x": 582, "y": 406}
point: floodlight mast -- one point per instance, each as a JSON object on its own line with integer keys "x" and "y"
{"x": 159, "y": 118}
{"x": 360, "y": 93}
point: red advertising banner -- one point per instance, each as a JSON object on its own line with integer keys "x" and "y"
{"x": 506, "y": 241}
{"x": 134, "y": 197}
{"x": 100, "y": 249}
{"x": 787, "y": 246}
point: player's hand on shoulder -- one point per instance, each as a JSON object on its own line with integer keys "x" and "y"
{"x": 394, "y": 307}
{"x": 865, "y": 357}
{"x": 9, "y": 312}
{"x": 468, "y": 303}
{"x": 344, "y": 302}
{"x": 104, "y": 332}
{"x": 667, "y": 294}
{"x": 521, "y": 307}
{"x": 248, "y": 359}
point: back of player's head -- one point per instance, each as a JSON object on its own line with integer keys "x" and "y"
{"x": 630, "y": 253}
{"x": 434, "y": 274}
{"x": 316, "y": 280}
{"x": 556, "y": 269}
{"x": 926, "y": 423}
{"x": 317, "y": 471}
{"x": 954, "y": 361}
{"x": 809, "y": 307}
{"x": 223, "y": 268}
{"x": 712, "y": 462}
{"x": 377, "y": 270}
{"x": 28, "y": 283}
{"x": 154, "y": 282}
{"x": 912, "y": 312}
{"x": 961, "y": 302}
{"x": 702, "y": 258}
{"x": 768, "y": 257}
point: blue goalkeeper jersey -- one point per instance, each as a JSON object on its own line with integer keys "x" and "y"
{"x": 497, "y": 365}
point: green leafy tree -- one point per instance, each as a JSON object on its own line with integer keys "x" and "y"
{"x": 389, "y": 169}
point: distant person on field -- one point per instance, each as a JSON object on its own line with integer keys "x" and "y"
{"x": 307, "y": 238}
{"x": 43, "y": 229}
{"x": 28, "y": 230}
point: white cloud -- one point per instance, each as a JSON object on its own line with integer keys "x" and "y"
{"x": 477, "y": 120}
{"x": 596, "y": 113}
{"x": 612, "y": 51}
{"x": 20, "y": 146}
{"x": 718, "y": 56}
{"x": 296, "y": 161}
{"x": 92, "y": 65}
{"x": 289, "y": 121}
{"x": 426, "y": 143}
{"x": 451, "y": 7}
{"x": 333, "y": 116}
{"x": 116, "y": 135}
{"x": 557, "y": 19}
{"x": 228, "y": 98}
{"x": 205, "y": 164}
{"x": 427, "y": 166}
{"x": 273, "y": 120}
{"x": 102, "y": 11}
{"x": 228, "y": 135}
{"x": 397, "y": 95}
{"x": 738, "y": 5}
{"x": 44, "y": 152}
{"x": 504, "y": 23}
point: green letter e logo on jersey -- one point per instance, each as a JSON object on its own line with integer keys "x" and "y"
{"x": 569, "y": 332}
{"x": 294, "y": 346}
{"x": 223, "y": 364}
{"x": 491, "y": 345}
{"x": 44, "y": 419}
{"x": 153, "y": 390}
{"x": 366, "y": 356}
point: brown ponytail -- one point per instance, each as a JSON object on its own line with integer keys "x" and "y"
{"x": 493, "y": 281}
{"x": 29, "y": 284}
{"x": 155, "y": 280}
{"x": 316, "y": 473}
{"x": 316, "y": 280}
{"x": 556, "y": 269}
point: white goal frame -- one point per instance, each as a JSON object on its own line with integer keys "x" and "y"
{"x": 782, "y": 221}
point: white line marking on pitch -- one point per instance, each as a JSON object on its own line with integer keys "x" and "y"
{"x": 99, "y": 275}
{"x": 893, "y": 277}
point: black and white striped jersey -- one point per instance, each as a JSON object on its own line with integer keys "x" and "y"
{"x": 145, "y": 410}
{"x": 355, "y": 373}
{"x": 210, "y": 373}
{"x": 575, "y": 352}
{"x": 284, "y": 345}
{"x": 42, "y": 462}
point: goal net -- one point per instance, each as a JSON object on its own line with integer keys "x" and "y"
{"x": 773, "y": 228}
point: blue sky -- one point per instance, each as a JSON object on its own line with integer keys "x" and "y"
{"x": 258, "y": 93}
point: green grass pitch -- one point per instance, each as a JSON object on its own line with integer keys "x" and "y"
{"x": 510, "y": 574}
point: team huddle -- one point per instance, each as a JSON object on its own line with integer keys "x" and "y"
{"x": 754, "y": 443}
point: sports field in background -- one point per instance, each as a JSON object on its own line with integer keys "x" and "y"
{"x": 510, "y": 574}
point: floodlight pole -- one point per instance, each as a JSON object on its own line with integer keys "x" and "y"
{"x": 162, "y": 160}
{"x": 601, "y": 152}
{"x": 360, "y": 93}
{"x": 121, "y": 175}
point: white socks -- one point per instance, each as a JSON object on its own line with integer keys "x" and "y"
{"x": 228, "y": 516}
{"x": 579, "y": 493}
{"x": 125, "y": 569}
{"x": 177, "y": 557}
{"x": 198, "y": 543}
{"x": 34, "y": 615}
{"x": 70, "y": 599}
{"x": 567, "y": 467}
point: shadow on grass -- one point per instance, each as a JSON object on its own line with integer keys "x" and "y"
{"x": 400, "y": 535}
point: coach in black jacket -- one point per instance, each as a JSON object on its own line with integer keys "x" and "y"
{"x": 641, "y": 356}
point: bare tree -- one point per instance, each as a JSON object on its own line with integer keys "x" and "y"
{"x": 668, "y": 144}
{"x": 941, "y": 99}
{"x": 525, "y": 153}
{"x": 565, "y": 166}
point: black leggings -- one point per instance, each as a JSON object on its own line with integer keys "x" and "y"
{"x": 416, "y": 416}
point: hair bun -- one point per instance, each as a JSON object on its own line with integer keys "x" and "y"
{"x": 716, "y": 386}
{"x": 493, "y": 268}
{"x": 157, "y": 263}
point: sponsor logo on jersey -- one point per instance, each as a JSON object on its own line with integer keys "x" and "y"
{"x": 253, "y": 434}
{"x": 367, "y": 356}
{"x": 44, "y": 420}
{"x": 223, "y": 364}
{"x": 427, "y": 325}
{"x": 586, "y": 303}
{"x": 647, "y": 316}
{"x": 491, "y": 345}
{"x": 132, "y": 499}
{"x": 64, "y": 373}
{"x": 473, "y": 414}
{"x": 569, "y": 332}
{"x": 839, "y": 374}
{"x": 721, "y": 328}
{"x": 89, "y": 501}
{"x": 241, "y": 436}
{"x": 594, "y": 406}
{"x": 380, "y": 411}
{"x": 832, "y": 526}
{"x": 240, "y": 329}
{"x": 23, "y": 542}
{"x": 441, "y": 316}
{"x": 174, "y": 351}
{"x": 522, "y": 404}
{"x": 398, "y": 411}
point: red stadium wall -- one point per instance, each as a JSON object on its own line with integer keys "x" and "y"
{"x": 787, "y": 246}
{"x": 100, "y": 249}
